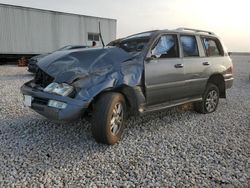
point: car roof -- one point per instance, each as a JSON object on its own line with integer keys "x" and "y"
{"x": 181, "y": 30}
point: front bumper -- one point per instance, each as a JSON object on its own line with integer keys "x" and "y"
{"x": 74, "y": 110}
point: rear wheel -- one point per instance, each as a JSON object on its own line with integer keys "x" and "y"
{"x": 108, "y": 118}
{"x": 209, "y": 101}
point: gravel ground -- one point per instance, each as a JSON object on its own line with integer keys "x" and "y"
{"x": 170, "y": 149}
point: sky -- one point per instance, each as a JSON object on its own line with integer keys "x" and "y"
{"x": 228, "y": 19}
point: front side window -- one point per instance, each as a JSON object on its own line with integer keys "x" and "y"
{"x": 189, "y": 46}
{"x": 166, "y": 47}
{"x": 211, "y": 47}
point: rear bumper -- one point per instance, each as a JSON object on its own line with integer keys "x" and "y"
{"x": 74, "y": 110}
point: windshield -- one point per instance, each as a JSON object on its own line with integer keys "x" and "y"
{"x": 133, "y": 44}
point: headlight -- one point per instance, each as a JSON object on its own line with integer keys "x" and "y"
{"x": 60, "y": 89}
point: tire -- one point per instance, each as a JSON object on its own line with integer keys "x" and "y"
{"x": 108, "y": 118}
{"x": 210, "y": 100}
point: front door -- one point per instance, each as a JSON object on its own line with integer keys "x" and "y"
{"x": 164, "y": 71}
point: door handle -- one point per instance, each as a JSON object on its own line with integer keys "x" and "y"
{"x": 178, "y": 65}
{"x": 206, "y": 63}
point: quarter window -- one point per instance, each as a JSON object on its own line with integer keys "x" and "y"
{"x": 93, "y": 36}
{"x": 166, "y": 47}
{"x": 211, "y": 47}
{"x": 189, "y": 46}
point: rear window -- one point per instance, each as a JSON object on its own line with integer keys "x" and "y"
{"x": 212, "y": 46}
{"x": 189, "y": 46}
{"x": 93, "y": 36}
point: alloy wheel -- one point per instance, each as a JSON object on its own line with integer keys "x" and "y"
{"x": 211, "y": 101}
{"x": 116, "y": 119}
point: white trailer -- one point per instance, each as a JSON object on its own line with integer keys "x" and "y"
{"x": 28, "y": 31}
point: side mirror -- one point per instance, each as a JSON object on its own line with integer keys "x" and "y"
{"x": 150, "y": 58}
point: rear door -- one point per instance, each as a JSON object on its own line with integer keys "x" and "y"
{"x": 164, "y": 71}
{"x": 197, "y": 61}
{"x": 193, "y": 62}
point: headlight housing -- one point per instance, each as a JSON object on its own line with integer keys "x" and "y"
{"x": 62, "y": 89}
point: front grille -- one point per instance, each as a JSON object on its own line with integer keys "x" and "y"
{"x": 43, "y": 79}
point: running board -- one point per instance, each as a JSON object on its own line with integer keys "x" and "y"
{"x": 167, "y": 105}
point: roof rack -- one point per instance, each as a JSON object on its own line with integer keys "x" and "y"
{"x": 195, "y": 30}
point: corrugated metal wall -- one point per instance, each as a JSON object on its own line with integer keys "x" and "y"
{"x": 32, "y": 31}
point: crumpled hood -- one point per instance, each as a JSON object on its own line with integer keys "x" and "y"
{"x": 38, "y": 57}
{"x": 94, "y": 70}
{"x": 67, "y": 66}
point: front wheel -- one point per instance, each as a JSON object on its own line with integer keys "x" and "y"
{"x": 108, "y": 118}
{"x": 209, "y": 101}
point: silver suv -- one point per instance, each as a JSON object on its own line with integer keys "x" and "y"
{"x": 141, "y": 73}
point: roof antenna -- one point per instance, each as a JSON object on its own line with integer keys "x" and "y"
{"x": 100, "y": 34}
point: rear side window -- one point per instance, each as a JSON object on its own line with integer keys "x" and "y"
{"x": 212, "y": 46}
{"x": 189, "y": 46}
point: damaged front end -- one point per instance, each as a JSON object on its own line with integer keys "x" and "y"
{"x": 68, "y": 81}
{"x": 52, "y": 105}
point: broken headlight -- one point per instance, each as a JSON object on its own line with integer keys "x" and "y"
{"x": 62, "y": 89}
